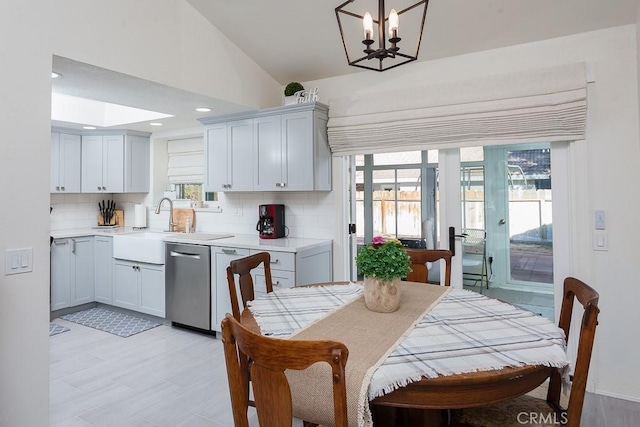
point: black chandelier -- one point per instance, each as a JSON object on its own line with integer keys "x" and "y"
{"x": 391, "y": 24}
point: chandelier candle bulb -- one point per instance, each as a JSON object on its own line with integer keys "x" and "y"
{"x": 394, "y": 22}
{"x": 367, "y": 24}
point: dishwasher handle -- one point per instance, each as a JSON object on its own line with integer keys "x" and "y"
{"x": 184, "y": 255}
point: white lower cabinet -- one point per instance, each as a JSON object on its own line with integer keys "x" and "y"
{"x": 72, "y": 272}
{"x": 152, "y": 298}
{"x": 139, "y": 286}
{"x": 221, "y": 300}
{"x": 103, "y": 249}
{"x": 288, "y": 269}
{"x": 60, "y": 274}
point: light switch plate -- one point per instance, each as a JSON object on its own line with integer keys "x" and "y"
{"x": 600, "y": 241}
{"x": 18, "y": 261}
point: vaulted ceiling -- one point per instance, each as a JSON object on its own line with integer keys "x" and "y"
{"x": 299, "y": 40}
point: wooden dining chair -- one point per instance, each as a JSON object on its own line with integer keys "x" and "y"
{"x": 242, "y": 267}
{"x": 270, "y": 357}
{"x": 419, "y": 260}
{"x": 506, "y": 413}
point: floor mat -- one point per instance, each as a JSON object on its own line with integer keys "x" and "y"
{"x": 113, "y": 322}
{"x": 55, "y": 329}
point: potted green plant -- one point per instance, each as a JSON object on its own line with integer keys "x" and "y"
{"x": 383, "y": 263}
{"x": 290, "y": 92}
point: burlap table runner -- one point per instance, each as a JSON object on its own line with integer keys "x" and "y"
{"x": 370, "y": 338}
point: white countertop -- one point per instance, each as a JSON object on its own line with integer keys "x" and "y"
{"x": 245, "y": 241}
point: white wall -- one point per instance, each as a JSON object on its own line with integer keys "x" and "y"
{"x": 605, "y": 164}
{"x": 25, "y": 88}
{"x": 165, "y": 41}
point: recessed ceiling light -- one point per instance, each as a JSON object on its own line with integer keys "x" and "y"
{"x": 88, "y": 127}
{"x": 155, "y": 124}
{"x": 55, "y": 75}
{"x": 203, "y": 109}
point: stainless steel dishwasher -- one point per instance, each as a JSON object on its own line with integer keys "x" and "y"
{"x": 188, "y": 285}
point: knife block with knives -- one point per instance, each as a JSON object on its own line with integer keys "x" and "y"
{"x": 109, "y": 215}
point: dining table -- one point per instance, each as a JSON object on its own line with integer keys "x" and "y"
{"x": 463, "y": 350}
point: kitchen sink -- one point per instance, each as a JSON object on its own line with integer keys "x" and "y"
{"x": 145, "y": 246}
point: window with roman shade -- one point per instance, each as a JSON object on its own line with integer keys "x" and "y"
{"x": 528, "y": 106}
{"x": 186, "y": 161}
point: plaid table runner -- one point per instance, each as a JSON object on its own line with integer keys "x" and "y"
{"x": 466, "y": 332}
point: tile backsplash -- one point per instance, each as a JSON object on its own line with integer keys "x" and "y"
{"x": 307, "y": 214}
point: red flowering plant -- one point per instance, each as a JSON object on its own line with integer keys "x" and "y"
{"x": 383, "y": 259}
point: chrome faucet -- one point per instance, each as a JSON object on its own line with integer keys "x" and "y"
{"x": 171, "y": 223}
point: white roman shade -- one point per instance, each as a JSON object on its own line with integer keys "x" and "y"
{"x": 528, "y": 106}
{"x": 186, "y": 161}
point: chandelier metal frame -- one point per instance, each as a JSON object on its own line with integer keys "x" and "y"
{"x": 381, "y": 52}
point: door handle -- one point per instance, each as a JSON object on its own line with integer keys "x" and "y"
{"x": 452, "y": 239}
{"x": 229, "y": 251}
{"x": 502, "y": 222}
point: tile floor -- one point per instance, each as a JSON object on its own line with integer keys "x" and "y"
{"x": 168, "y": 376}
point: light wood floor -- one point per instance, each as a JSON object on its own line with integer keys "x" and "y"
{"x": 172, "y": 377}
{"x": 165, "y": 376}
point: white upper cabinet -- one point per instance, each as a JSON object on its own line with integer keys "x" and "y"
{"x": 115, "y": 164}
{"x": 278, "y": 149}
{"x": 228, "y": 149}
{"x": 267, "y": 162}
{"x": 216, "y": 155}
{"x": 65, "y": 163}
{"x": 136, "y": 164}
{"x": 103, "y": 164}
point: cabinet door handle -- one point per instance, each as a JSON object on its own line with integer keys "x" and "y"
{"x": 229, "y": 251}
{"x": 57, "y": 188}
{"x": 99, "y": 188}
{"x": 73, "y": 248}
{"x": 62, "y": 188}
{"x": 104, "y": 188}
{"x": 276, "y": 261}
{"x": 60, "y": 242}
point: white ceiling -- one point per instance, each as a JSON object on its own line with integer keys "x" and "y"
{"x": 91, "y": 82}
{"x": 299, "y": 41}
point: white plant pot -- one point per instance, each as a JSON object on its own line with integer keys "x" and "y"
{"x": 289, "y": 100}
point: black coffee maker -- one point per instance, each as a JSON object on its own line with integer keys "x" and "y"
{"x": 271, "y": 222}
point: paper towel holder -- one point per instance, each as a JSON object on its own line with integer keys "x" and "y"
{"x": 140, "y": 217}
